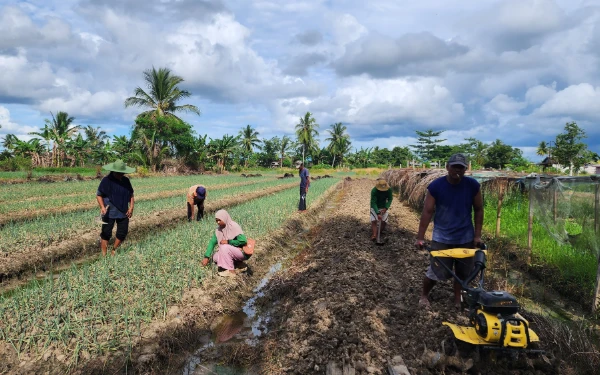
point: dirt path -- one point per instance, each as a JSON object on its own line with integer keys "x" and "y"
{"x": 345, "y": 301}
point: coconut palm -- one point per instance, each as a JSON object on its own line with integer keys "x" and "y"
{"x": 62, "y": 130}
{"x": 162, "y": 96}
{"x": 47, "y": 135}
{"x": 222, "y": 150}
{"x": 542, "y": 148}
{"x": 306, "y": 131}
{"x": 338, "y": 140}
{"x": 286, "y": 145}
{"x": 249, "y": 140}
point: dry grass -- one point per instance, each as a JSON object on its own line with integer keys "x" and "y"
{"x": 412, "y": 184}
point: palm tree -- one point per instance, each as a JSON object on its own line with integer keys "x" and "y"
{"x": 543, "y": 148}
{"x": 285, "y": 146}
{"x": 338, "y": 139}
{"x": 306, "y": 131}
{"x": 249, "y": 138}
{"x": 222, "y": 149}
{"x": 162, "y": 96}
{"x": 47, "y": 135}
{"x": 62, "y": 130}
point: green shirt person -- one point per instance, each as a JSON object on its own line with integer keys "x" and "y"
{"x": 381, "y": 200}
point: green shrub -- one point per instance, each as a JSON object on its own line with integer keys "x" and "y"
{"x": 18, "y": 163}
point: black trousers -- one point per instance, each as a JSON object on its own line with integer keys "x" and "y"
{"x": 302, "y": 203}
{"x": 200, "y": 204}
{"x": 122, "y": 229}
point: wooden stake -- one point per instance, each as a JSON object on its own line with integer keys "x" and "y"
{"x": 597, "y": 209}
{"x": 555, "y": 203}
{"x": 530, "y": 224}
{"x": 501, "y": 191}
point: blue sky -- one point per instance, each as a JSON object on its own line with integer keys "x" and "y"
{"x": 515, "y": 70}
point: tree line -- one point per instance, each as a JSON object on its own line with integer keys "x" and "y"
{"x": 159, "y": 138}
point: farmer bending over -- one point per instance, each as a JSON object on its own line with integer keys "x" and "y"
{"x": 195, "y": 197}
{"x": 453, "y": 198}
{"x": 115, "y": 198}
{"x": 381, "y": 200}
{"x": 231, "y": 239}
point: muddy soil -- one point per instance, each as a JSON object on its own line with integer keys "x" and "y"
{"x": 346, "y": 303}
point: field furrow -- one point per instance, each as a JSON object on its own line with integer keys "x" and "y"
{"x": 19, "y": 211}
{"x": 102, "y": 306}
{"x": 79, "y": 238}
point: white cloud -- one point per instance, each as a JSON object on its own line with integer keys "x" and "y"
{"x": 580, "y": 101}
{"x": 505, "y": 104}
{"x": 10, "y": 127}
{"x": 539, "y": 94}
{"x": 84, "y": 103}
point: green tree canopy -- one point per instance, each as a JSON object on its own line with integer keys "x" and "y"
{"x": 306, "y": 131}
{"x": 568, "y": 148}
{"x": 162, "y": 95}
{"x": 427, "y": 142}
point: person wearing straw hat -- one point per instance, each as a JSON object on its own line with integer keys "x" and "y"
{"x": 381, "y": 200}
{"x": 195, "y": 197}
{"x": 115, "y": 198}
{"x": 455, "y": 200}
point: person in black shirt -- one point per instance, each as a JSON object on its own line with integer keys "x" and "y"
{"x": 115, "y": 198}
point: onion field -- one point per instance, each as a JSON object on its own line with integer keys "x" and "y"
{"x": 102, "y": 306}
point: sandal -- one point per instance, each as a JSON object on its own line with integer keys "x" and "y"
{"x": 226, "y": 273}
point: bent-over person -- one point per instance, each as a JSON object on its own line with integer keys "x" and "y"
{"x": 195, "y": 197}
{"x": 381, "y": 200}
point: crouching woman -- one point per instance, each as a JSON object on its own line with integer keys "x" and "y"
{"x": 230, "y": 238}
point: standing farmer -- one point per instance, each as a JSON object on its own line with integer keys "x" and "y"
{"x": 453, "y": 198}
{"x": 381, "y": 200}
{"x": 115, "y": 198}
{"x": 195, "y": 196}
{"x": 304, "y": 184}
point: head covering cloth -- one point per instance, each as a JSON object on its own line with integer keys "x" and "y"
{"x": 231, "y": 229}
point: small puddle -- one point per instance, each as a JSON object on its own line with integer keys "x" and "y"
{"x": 242, "y": 326}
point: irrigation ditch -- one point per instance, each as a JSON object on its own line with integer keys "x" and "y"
{"x": 36, "y": 263}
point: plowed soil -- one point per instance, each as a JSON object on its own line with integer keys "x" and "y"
{"x": 345, "y": 302}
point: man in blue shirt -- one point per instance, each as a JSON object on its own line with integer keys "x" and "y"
{"x": 115, "y": 198}
{"x": 304, "y": 184}
{"x": 453, "y": 198}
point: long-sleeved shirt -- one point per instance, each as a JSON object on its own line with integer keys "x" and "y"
{"x": 381, "y": 199}
{"x": 239, "y": 241}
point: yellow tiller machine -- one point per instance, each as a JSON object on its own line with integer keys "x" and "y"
{"x": 493, "y": 315}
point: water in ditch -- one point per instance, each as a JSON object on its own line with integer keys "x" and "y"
{"x": 243, "y": 326}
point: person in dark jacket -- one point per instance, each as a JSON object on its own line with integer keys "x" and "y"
{"x": 115, "y": 198}
{"x": 458, "y": 206}
{"x": 381, "y": 200}
{"x": 230, "y": 238}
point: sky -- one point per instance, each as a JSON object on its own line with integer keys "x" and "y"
{"x": 514, "y": 70}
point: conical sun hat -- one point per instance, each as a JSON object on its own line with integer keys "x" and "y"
{"x": 382, "y": 185}
{"x": 118, "y": 166}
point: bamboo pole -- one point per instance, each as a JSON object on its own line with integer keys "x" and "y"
{"x": 597, "y": 209}
{"x": 555, "y": 204}
{"x": 501, "y": 190}
{"x": 530, "y": 223}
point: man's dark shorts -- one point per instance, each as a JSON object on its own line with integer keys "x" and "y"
{"x": 122, "y": 229}
{"x": 462, "y": 267}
